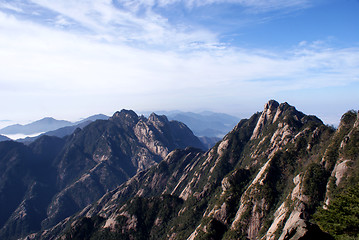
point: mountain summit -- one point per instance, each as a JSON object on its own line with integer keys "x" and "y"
{"x": 264, "y": 180}
{"x": 54, "y": 178}
{"x": 281, "y": 174}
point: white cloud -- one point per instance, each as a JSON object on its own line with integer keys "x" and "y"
{"x": 123, "y": 25}
{"x": 271, "y": 5}
{"x": 51, "y": 59}
{"x": 60, "y": 21}
{"x": 258, "y": 5}
{"x": 102, "y": 69}
{"x": 136, "y": 22}
{"x": 11, "y": 7}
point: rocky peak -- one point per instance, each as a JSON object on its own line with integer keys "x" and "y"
{"x": 65, "y": 175}
{"x": 271, "y": 105}
{"x": 269, "y": 114}
{"x": 155, "y": 118}
{"x": 158, "y": 121}
{"x": 268, "y": 188}
{"x": 356, "y": 124}
{"x": 349, "y": 119}
{"x": 126, "y": 117}
{"x": 270, "y": 110}
{"x": 284, "y": 114}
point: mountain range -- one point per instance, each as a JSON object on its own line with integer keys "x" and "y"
{"x": 43, "y": 125}
{"x": 49, "y": 126}
{"x": 53, "y": 178}
{"x": 281, "y": 174}
{"x": 210, "y": 127}
{"x": 204, "y": 124}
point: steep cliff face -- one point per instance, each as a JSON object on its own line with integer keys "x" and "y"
{"x": 53, "y": 178}
{"x": 294, "y": 158}
{"x": 341, "y": 157}
{"x": 264, "y": 180}
{"x": 283, "y": 143}
{"x": 26, "y": 184}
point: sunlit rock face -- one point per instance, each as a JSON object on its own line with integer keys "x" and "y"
{"x": 264, "y": 180}
{"x": 56, "y": 177}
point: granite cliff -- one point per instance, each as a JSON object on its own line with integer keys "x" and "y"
{"x": 53, "y": 178}
{"x": 274, "y": 176}
{"x": 266, "y": 179}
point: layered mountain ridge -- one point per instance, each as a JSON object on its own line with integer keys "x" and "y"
{"x": 46, "y": 126}
{"x": 274, "y": 176}
{"x": 52, "y": 178}
{"x": 43, "y": 125}
{"x": 264, "y": 180}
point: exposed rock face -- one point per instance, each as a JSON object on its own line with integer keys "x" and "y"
{"x": 54, "y": 178}
{"x": 340, "y": 155}
{"x": 267, "y": 117}
{"x": 264, "y": 180}
{"x": 160, "y": 136}
{"x": 194, "y": 176}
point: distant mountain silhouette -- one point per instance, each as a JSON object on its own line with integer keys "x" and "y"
{"x": 52, "y": 178}
{"x": 209, "y": 127}
{"x": 4, "y": 138}
{"x": 132, "y": 177}
{"x": 68, "y": 130}
{"x": 92, "y": 118}
{"x": 264, "y": 180}
{"x": 207, "y": 124}
{"x": 43, "y": 125}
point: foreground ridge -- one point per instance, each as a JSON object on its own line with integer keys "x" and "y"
{"x": 53, "y": 178}
{"x": 266, "y": 179}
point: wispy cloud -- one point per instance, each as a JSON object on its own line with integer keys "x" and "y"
{"x": 87, "y": 54}
{"x": 273, "y": 5}
{"x": 51, "y": 59}
{"x": 11, "y": 7}
{"x": 136, "y": 22}
{"x": 107, "y": 21}
{"x": 259, "y": 5}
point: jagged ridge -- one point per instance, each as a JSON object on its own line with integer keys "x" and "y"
{"x": 264, "y": 180}
{"x": 54, "y": 178}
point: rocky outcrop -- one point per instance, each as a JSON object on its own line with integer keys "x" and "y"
{"x": 339, "y": 158}
{"x": 263, "y": 180}
{"x": 267, "y": 117}
{"x": 66, "y": 175}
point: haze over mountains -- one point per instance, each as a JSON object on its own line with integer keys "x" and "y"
{"x": 264, "y": 180}
{"x": 4, "y": 138}
{"x": 210, "y": 127}
{"x": 132, "y": 177}
{"x": 52, "y": 178}
{"x": 279, "y": 174}
{"x": 207, "y": 123}
{"x": 46, "y": 125}
{"x": 43, "y": 125}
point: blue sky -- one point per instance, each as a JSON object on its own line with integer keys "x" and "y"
{"x": 71, "y": 59}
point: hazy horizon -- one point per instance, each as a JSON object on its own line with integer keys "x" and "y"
{"x": 6, "y": 123}
{"x": 73, "y": 59}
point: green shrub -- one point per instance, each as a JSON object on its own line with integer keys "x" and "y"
{"x": 341, "y": 218}
{"x": 315, "y": 182}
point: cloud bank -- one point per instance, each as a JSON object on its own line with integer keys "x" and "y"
{"x": 91, "y": 54}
